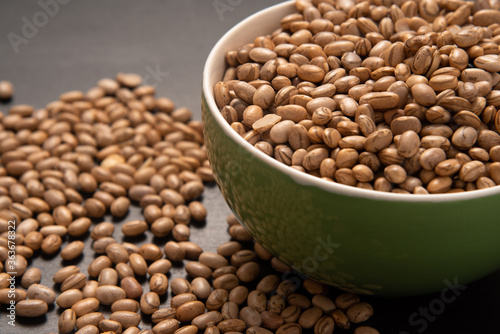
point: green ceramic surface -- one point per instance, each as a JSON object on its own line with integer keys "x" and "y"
{"x": 359, "y": 240}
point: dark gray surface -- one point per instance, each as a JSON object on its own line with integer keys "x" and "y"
{"x": 87, "y": 40}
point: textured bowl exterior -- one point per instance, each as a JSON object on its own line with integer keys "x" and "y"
{"x": 357, "y": 240}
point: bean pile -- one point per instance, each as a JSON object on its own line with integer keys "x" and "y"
{"x": 395, "y": 96}
{"x": 65, "y": 166}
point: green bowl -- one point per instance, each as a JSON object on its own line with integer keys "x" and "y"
{"x": 359, "y": 240}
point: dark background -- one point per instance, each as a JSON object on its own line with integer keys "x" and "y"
{"x": 83, "y": 41}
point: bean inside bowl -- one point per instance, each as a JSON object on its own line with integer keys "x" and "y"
{"x": 367, "y": 241}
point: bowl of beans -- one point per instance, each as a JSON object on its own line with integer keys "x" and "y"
{"x": 359, "y": 142}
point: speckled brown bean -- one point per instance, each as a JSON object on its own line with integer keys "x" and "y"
{"x": 472, "y": 170}
{"x": 64, "y": 273}
{"x": 138, "y": 264}
{"x": 108, "y": 294}
{"x": 134, "y": 228}
{"x": 68, "y": 298}
{"x": 310, "y": 317}
{"x": 439, "y": 185}
{"x": 395, "y": 174}
{"x": 181, "y": 232}
{"x": 268, "y": 283}
{"x": 39, "y": 291}
{"x": 231, "y": 325}
{"x": 92, "y": 318}
{"x": 359, "y": 312}
{"x": 216, "y": 299}
{"x": 120, "y": 206}
{"x": 250, "y": 316}
{"x": 197, "y": 269}
{"x": 161, "y": 266}
{"x": 430, "y": 158}
{"x": 168, "y": 326}
{"x": 102, "y": 230}
{"x": 180, "y": 285}
{"x": 191, "y": 249}
{"x": 88, "y": 329}
{"x": 341, "y": 320}
{"x": 189, "y": 329}
{"x": 324, "y": 303}
{"x": 226, "y": 249}
{"x": 190, "y": 310}
{"x": 150, "y": 302}
{"x": 51, "y": 244}
{"x": 85, "y": 306}
{"x": 408, "y": 144}
{"x": 96, "y": 266}
{"x": 221, "y": 93}
{"x": 89, "y": 290}
{"x": 158, "y": 283}
{"x": 378, "y": 140}
{"x": 131, "y": 287}
{"x": 117, "y": 253}
{"x": 248, "y": 272}
{"x": 239, "y": 233}
{"x": 109, "y": 326}
{"x": 126, "y": 304}
{"x": 257, "y": 300}
{"x": 72, "y": 250}
{"x": 79, "y": 227}
{"x": 31, "y": 276}
{"x": 67, "y": 321}
{"x": 276, "y": 303}
{"x": 238, "y": 294}
{"x": 162, "y": 227}
{"x": 197, "y": 210}
{"x": 6, "y": 90}
{"x": 346, "y": 300}
{"x": 207, "y": 319}
{"x": 163, "y": 314}
{"x": 214, "y": 260}
{"x": 230, "y": 310}
{"x": 424, "y": 94}
{"x": 127, "y": 319}
{"x": 75, "y": 281}
{"x": 58, "y": 230}
{"x": 291, "y": 313}
{"x": 271, "y": 320}
{"x": 226, "y": 281}
{"x": 174, "y": 252}
{"x": 94, "y": 207}
{"x": 150, "y": 252}
{"x": 325, "y": 325}
{"x": 201, "y": 287}
{"x": 31, "y": 308}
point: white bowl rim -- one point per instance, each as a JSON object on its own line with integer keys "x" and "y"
{"x": 301, "y": 177}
